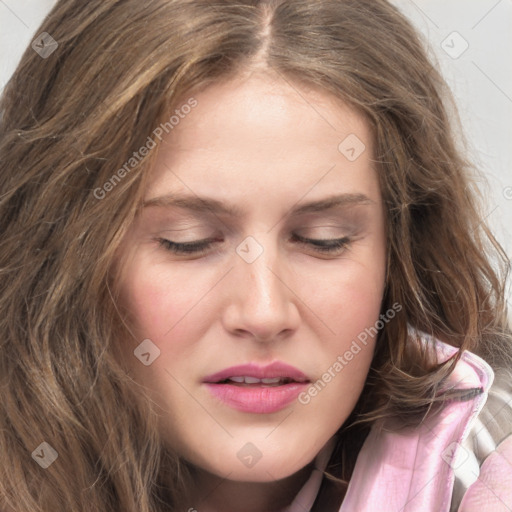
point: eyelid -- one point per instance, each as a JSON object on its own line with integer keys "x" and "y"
{"x": 340, "y": 230}
{"x": 186, "y": 248}
{"x": 325, "y": 245}
{"x": 198, "y": 247}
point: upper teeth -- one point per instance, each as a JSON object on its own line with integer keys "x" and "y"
{"x": 254, "y": 380}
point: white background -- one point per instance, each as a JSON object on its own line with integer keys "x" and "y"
{"x": 480, "y": 77}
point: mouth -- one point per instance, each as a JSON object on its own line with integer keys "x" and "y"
{"x": 251, "y": 382}
{"x": 254, "y": 389}
{"x": 274, "y": 374}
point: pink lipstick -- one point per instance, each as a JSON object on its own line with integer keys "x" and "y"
{"x": 257, "y": 389}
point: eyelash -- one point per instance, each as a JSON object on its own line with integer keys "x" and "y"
{"x": 325, "y": 246}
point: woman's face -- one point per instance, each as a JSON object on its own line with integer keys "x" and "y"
{"x": 272, "y": 175}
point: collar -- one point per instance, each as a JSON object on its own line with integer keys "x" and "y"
{"x": 412, "y": 469}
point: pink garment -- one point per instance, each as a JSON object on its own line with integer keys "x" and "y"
{"x": 492, "y": 492}
{"x": 412, "y": 470}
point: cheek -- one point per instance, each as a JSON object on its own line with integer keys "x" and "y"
{"x": 353, "y": 314}
{"x": 348, "y": 299}
{"x": 159, "y": 305}
{"x": 172, "y": 307}
{"x": 159, "y": 301}
{"x": 349, "y": 304}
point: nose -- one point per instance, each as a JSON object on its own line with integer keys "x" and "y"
{"x": 262, "y": 303}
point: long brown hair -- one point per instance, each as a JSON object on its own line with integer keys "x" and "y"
{"x": 71, "y": 120}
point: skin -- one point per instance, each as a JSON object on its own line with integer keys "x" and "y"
{"x": 264, "y": 145}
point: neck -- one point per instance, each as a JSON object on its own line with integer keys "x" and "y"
{"x": 216, "y": 494}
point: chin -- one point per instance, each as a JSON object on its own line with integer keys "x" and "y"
{"x": 270, "y": 468}
{"x": 268, "y": 473}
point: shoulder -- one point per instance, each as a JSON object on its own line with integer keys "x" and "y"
{"x": 483, "y": 474}
{"x": 443, "y": 463}
{"x": 482, "y": 466}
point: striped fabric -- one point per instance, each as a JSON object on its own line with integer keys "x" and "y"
{"x": 492, "y": 427}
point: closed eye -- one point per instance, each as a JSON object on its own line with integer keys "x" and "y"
{"x": 196, "y": 247}
{"x": 199, "y": 247}
{"x": 330, "y": 245}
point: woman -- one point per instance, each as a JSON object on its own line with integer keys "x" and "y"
{"x": 241, "y": 252}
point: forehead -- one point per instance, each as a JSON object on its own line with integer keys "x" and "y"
{"x": 262, "y": 134}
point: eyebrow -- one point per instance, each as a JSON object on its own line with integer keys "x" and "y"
{"x": 210, "y": 205}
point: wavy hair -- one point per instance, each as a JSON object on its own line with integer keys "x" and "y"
{"x": 71, "y": 121}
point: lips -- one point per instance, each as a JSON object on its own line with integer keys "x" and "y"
{"x": 255, "y": 374}
{"x": 253, "y": 381}
{"x": 254, "y": 389}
